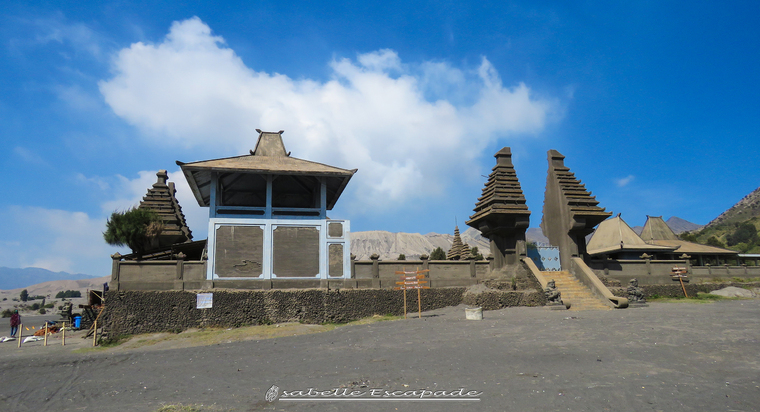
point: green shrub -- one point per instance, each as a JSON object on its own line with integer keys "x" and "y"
{"x": 43, "y": 311}
{"x": 68, "y": 294}
{"x": 7, "y": 313}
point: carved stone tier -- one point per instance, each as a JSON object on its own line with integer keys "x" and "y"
{"x": 501, "y": 214}
{"x": 570, "y": 212}
{"x": 162, "y": 200}
{"x": 459, "y": 250}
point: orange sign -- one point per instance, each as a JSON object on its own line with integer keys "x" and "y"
{"x": 412, "y": 280}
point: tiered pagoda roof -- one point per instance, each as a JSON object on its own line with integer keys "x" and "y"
{"x": 459, "y": 250}
{"x": 502, "y": 203}
{"x": 162, "y": 200}
{"x": 579, "y": 200}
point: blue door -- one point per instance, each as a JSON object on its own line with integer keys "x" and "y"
{"x": 546, "y": 258}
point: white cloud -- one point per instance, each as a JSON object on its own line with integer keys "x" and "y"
{"x": 622, "y": 182}
{"x": 409, "y": 128}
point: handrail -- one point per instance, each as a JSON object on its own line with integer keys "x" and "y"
{"x": 536, "y": 272}
{"x": 583, "y": 273}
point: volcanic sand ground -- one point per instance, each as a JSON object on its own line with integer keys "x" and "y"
{"x": 665, "y": 357}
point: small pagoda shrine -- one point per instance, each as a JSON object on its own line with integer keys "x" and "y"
{"x": 161, "y": 198}
{"x": 570, "y": 212}
{"x": 501, "y": 214}
{"x": 268, "y": 215}
{"x": 459, "y": 250}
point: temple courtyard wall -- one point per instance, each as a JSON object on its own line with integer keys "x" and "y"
{"x": 381, "y": 274}
{"x": 658, "y": 272}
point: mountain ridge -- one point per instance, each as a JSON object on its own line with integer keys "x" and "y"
{"x": 16, "y": 278}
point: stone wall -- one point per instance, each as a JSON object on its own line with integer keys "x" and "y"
{"x": 657, "y": 272}
{"x": 133, "y": 312}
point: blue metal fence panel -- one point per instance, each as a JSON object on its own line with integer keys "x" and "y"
{"x": 546, "y": 258}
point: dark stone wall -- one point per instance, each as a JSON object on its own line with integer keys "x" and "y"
{"x": 675, "y": 290}
{"x": 133, "y": 312}
{"x": 499, "y": 299}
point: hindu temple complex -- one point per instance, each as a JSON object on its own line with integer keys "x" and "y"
{"x": 268, "y": 229}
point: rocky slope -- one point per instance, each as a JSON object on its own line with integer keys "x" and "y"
{"x": 743, "y": 210}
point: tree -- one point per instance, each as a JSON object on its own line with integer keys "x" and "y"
{"x": 401, "y": 257}
{"x": 136, "y": 228}
{"x": 714, "y": 241}
{"x": 24, "y": 295}
{"x": 438, "y": 254}
{"x": 475, "y": 253}
{"x": 745, "y": 233}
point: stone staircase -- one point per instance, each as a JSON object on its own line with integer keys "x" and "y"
{"x": 575, "y": 292}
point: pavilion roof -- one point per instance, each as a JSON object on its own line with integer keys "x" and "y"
{"x": 269, "y": 157}
{"x": 656, "y": 229}
{"x": 614, "y": 235}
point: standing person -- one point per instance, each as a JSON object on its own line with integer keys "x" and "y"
{"x": 15, "y": 322}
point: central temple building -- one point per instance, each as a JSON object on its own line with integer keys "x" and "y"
{"x": 268, "y": 216}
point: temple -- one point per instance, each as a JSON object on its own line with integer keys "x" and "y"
{"x": 501, "y": 214}
{"x": 268, "y": 215}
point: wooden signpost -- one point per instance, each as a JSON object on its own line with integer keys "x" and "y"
{"x": 412, "y": 280}
{"x": 680, "y": 274}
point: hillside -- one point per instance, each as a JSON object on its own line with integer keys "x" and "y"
{"x": 743, "y": 210}
{"x": 736, "y": 228}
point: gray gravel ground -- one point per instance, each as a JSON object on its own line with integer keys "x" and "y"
{"x": 665, "y": 357}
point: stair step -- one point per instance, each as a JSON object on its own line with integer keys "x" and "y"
{"x": 575, "y": 292}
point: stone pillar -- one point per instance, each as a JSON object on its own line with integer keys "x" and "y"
{"x": 181, "y": 266}
{"x": 115, "y": 270}
{"x": 687, "y": 263}
{"x": 425, "y": 263}
{"x": 375, "y": 270}
{"x": 648, "y": 260}
{"x": 353, "y": 266}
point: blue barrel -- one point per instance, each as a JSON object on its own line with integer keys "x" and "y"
{"x": 77, "y": 321}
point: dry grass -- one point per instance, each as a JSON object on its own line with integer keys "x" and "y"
{"x": 216, "y": 336}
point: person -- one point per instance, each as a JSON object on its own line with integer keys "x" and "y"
{"x": 15, "y": 322}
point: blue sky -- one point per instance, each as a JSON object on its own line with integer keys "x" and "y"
{"x": 653, "y": 103}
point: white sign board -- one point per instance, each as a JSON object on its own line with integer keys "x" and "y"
{"x": 204, "y": 300}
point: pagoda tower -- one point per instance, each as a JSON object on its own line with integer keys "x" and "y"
{"x": 459, "y": 250}
{"x": 161, "y": 198}
{"x": 501, "y": 214}
{"x": 570, "y": 212}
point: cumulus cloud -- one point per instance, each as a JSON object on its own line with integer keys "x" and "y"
{"x": 622, "y": 182}
{"x": 409, "y": 127}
